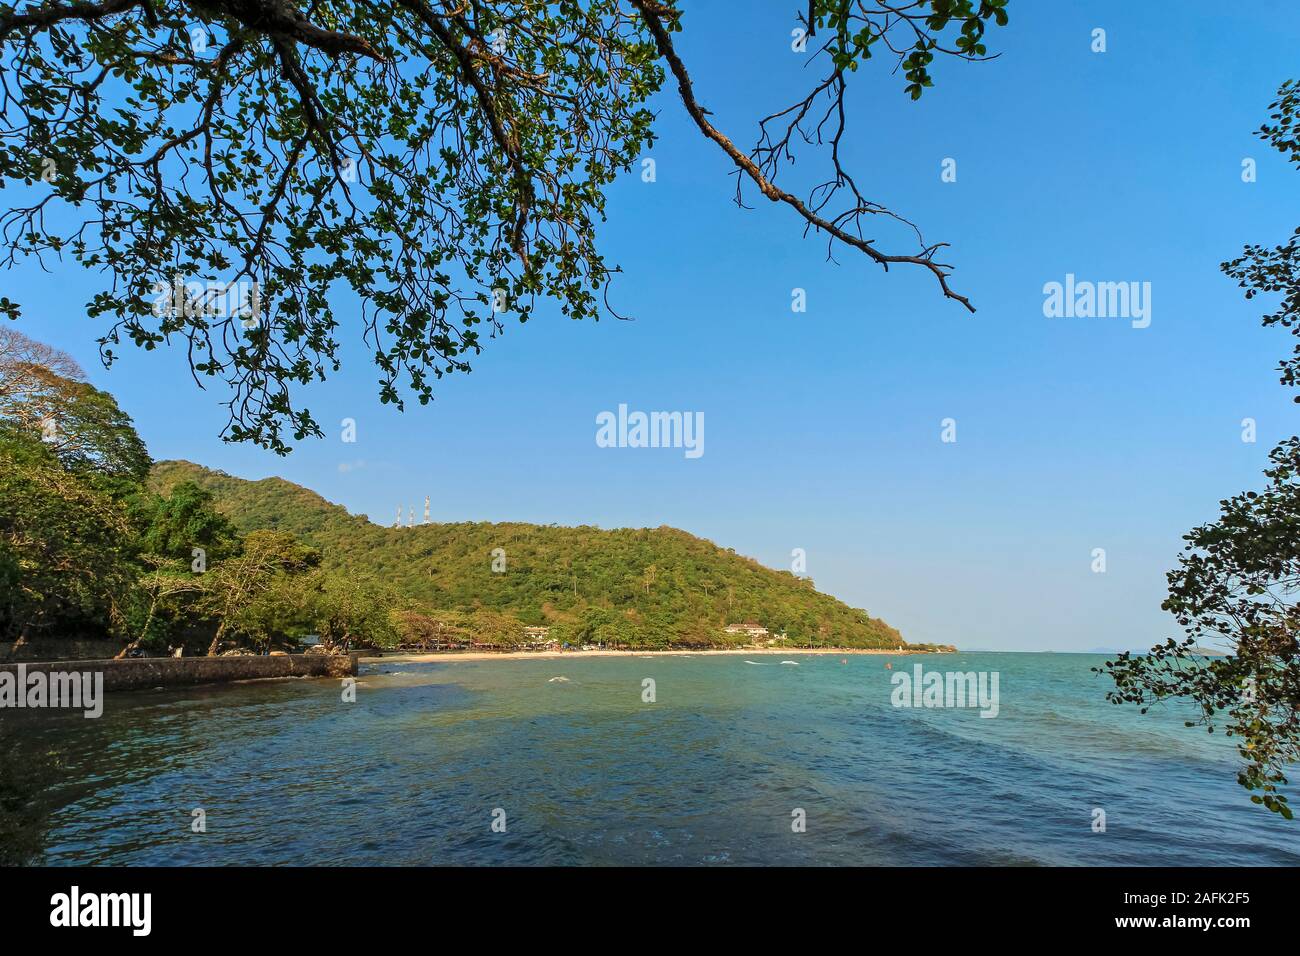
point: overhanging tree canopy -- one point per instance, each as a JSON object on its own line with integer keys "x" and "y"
{"x": 446, "y": 160}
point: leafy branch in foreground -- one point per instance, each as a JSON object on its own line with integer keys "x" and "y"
{"x": 242, "y": 172}
{"x": 1238, "y": 578}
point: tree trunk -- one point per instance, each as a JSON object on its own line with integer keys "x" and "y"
{"x": 143, "y": 631}
{"x": 216, "y": 640}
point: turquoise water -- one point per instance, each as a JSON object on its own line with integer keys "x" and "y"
{"x": 587, "y": 773}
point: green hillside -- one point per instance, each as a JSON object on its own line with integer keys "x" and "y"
{"x": 656, "y": 585}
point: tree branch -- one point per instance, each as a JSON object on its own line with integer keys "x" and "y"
{"x": 652, "y": 13}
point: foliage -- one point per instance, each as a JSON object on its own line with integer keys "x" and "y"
{"x": 444, "y": 165}
{"x": 493, "y": 628}
{"x": 234, "y": 589}
{"x": 856, "y": 30}
{"x": 87, "y": 549}
{"x": 346, "y": 610}
{"x": 29, "y": 372}
{"x": 65, "y": 545}
{"x": 591, "y": 583}
{"x": 41, "y": 391}
{"x": 429, "y": 630}
{"x": 165, "y": 610}
{"x": 181, "y": 521}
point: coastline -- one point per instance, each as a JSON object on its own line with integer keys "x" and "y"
{"x": 152, "y": 673}
{"x": 448, "y": 656}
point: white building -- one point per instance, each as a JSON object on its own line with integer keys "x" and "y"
{"x": 751, "y": 630}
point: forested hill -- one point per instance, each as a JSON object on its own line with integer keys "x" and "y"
{"x": 659, "y": 581}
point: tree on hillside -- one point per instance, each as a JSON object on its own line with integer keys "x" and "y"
{"x": 279, "y": 615}
{"x": 81, "y": 424}
{"x": 184, "y": 519}
{"x": 71, "y": 466}
{"x": 347, "y": 610}
{"x": 445, "y": 161}
{"x": 25, "y": 369}
{"x": 234, "y": 585}
{"x": 429, "y": 630}
{"x": 65, "y": 546}
{"x": 605, "y": 626}
{"x": 1237, "y": 583}
{"x": 178, "y": 536}
{"x": 489, "y": 627}
{"x": 167, "y": 591}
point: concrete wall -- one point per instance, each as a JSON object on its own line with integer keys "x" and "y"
{"x": 149, "y": 672}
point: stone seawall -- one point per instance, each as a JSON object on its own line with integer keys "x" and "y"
{"x": 146, "y": 673}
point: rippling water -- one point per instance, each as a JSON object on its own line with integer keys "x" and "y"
{"x": 589, "y": 774}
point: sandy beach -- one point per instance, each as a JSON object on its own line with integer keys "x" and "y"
{"x": 547, "y": 655}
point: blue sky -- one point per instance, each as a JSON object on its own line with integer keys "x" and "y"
{"x": 823, "y": 427}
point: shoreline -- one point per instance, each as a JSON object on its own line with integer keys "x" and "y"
{"x": 153, "y": 673}
{"x": 447, "y": 656}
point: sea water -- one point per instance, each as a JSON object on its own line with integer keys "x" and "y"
{"x": 498, "y": 762}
